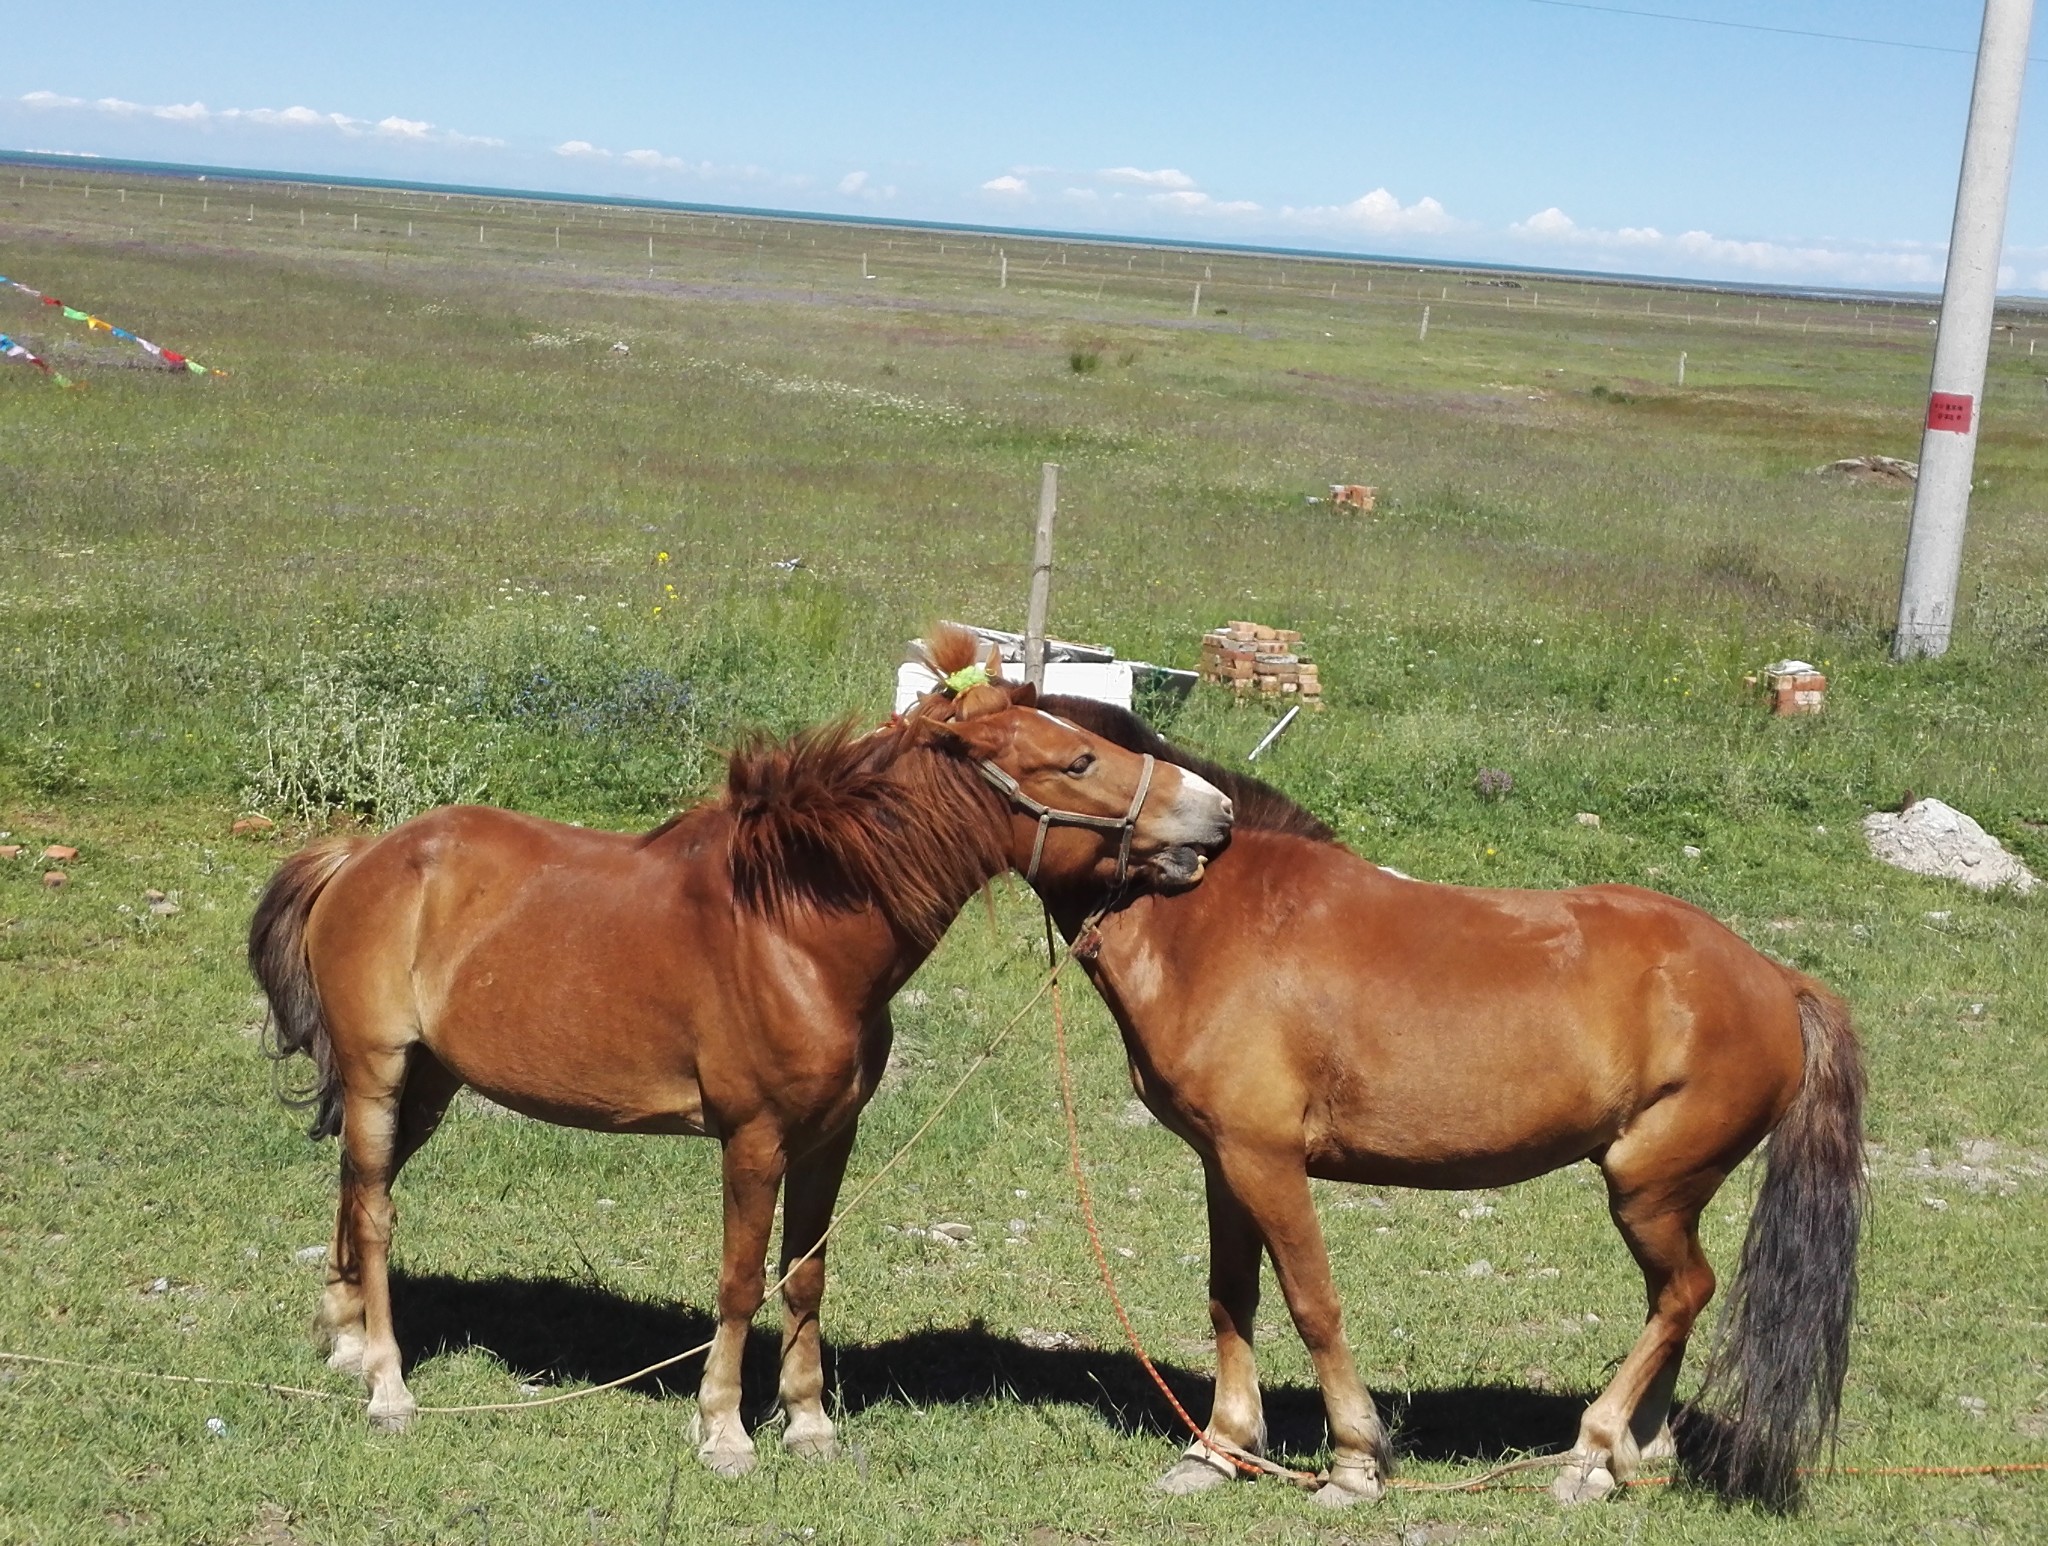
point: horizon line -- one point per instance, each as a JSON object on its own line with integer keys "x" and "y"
{"x": 87, "y": 160}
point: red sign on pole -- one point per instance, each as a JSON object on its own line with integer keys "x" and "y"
{"x": 1951, "y": 411}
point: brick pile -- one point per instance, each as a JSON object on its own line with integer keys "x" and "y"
{"x": 1256, "y": 661}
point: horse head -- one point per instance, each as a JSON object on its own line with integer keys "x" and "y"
{"x": 1087, "y": 814}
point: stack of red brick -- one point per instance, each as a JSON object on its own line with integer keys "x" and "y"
{"x": 1252, "y": 659}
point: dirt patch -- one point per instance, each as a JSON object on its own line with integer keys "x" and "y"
{"x": 1886, "y": 471}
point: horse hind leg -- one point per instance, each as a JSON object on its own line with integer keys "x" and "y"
{"x": 1237, "y": 1415}
{"x": 429, "y": 1086}
{"x": 1628, "y": 1422}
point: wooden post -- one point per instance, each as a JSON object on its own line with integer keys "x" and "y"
{"x": 1004, "y": 282}
{"x": 1681, "y": 367}
{"x": 1423, "y": 336}
{"x": 1041, "y": 575}
{"x": 1195, "y": 310}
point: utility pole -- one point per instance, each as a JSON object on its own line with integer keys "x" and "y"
{"x": 1969, "y": 300}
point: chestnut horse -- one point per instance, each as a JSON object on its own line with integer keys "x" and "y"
{"x": 727, "y": 974}
{"x": 1306, "y": 1013}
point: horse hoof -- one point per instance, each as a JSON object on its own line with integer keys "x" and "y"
{"x": 1582, "y": 1484}
{"x": 1191, "y": 1476}
{"x": 812, "y": 1446}
{"x": 728, "y": 1463}
{"x": 1348, "y": 1486}
{"x": 393, "y": 1416}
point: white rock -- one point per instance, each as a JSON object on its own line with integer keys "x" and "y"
{"x": 1933, "y": 838}
{"x": 216, "y": 1427}
{"x": 953, "y": 1232}
{"x": 1587, "y": 819}
{"x": 310, "y": 1253}
{"x": 1480, "y": 1269}
{"x": 1047, "y": 1341}
{"x": 1690, "y": 851}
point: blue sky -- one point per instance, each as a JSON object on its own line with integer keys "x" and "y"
{"x": 1505, "y": 130}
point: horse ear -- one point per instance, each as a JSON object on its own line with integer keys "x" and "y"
{"x": 979, "y": 737}
{"x": 994, "y": 664}
{"x": 1025, "y": 697}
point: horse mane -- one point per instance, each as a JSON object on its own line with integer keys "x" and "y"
{"x": 833, "y": 821}
{"x": 1260, "y": 807}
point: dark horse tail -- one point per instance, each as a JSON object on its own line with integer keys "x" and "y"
{"x": 1773, "y": 1390}
{"x": 277, "y": 955}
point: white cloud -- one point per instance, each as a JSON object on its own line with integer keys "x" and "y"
{"x": 1194, "y": 201}
{"x": 1379, "y": 213}
{"x": 1165, "y": 177}
{"x": 1008, "y": 185}
{"x": 654, "y": 161}
{"x": 292, "y": 118}
{"x": 1704, "y": 254}
{"x": 583, "y": 148}
{"x": 853, "y": 182}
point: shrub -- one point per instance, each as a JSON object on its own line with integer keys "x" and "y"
{"x": 334, "y": 745}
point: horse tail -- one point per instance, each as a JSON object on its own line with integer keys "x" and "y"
{"x": 277, "y": 956}
{"x": 1773, "y": 1390}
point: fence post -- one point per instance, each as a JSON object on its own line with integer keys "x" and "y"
{"x": 1041, "y": 575}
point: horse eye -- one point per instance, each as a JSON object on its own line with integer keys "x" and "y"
{"x": 1081, "y": 764}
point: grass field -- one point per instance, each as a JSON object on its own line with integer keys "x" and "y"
{"x": 432, "y": 538}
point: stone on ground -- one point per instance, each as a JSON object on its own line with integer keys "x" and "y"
{"x": 1933, "y": 838}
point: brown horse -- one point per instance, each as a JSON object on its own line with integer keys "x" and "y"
{"x": 727, "y": 974}
{"x": 1307, "y": 1013}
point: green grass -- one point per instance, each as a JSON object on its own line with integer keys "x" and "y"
{"x": 431, "y": 502}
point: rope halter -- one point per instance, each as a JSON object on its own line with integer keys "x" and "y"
{"x": 1047, "y": 816}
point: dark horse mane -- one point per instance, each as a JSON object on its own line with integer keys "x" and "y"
{"x": 1260, "y": 807}
{"x": 833, "y": 820}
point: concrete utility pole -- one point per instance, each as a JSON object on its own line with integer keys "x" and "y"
{"x": 1969, "y": 299}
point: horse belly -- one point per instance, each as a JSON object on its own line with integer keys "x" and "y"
{"x": 1467, "y": 1117}
{"x": 569, "y": 1044}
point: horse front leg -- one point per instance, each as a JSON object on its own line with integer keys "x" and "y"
{"x": 753, "y": 1164}
{"x": 808, "y": 1201}
{"x": 1237, "y": 1415}
{"x": 1271, "y": 1183}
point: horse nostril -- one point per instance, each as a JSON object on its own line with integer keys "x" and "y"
{"x": 1229, "y": 810}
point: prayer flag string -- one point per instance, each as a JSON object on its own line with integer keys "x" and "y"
{"x": 15, "y": 351}
{"x": 171, "y": 358}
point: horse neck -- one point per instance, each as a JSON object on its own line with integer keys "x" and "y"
{"x": 953, "y": 842}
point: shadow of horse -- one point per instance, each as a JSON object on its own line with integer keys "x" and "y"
{"x": 553, "y": 1330}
